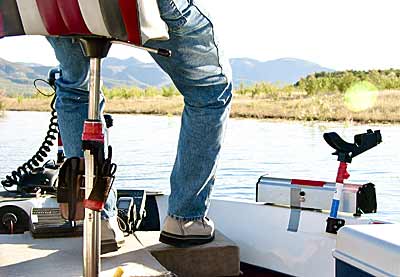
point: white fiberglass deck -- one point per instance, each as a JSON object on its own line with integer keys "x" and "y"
{"x": 21, "y": 255}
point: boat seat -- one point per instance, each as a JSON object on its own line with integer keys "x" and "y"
{"x": 130, "y": 21}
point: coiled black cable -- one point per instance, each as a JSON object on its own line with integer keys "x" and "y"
{"x": 44, "y": 149}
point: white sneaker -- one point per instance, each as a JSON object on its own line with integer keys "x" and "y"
{"x": 185, "y": 233}
{"x": 111, "y": 235}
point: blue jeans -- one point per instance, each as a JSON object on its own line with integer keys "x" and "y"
{"x": 202, "y": 76}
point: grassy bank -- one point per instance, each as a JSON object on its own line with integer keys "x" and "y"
{"x": 2, "y": 106}
{"x": 361, "y": 96}
{"x": 289, "y": 104}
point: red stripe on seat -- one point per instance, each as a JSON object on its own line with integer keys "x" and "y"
{"x": 72, "y": 17}
{"x": 307, "y": 183}
{"x": 52, "y": 18}
{"x": 130, "y": 16}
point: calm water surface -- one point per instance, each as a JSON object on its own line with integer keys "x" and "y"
{"x": 145, "y": 146}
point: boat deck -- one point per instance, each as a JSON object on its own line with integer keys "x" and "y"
{"x": 22, "y": 255}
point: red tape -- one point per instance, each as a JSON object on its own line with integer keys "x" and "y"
{"x": 93, "y": 131}
{"x": 307, "y": 183}
{"x": 342, "y": 173}
{"x": 59, "y": 141}
{"x": 93, "y": 205}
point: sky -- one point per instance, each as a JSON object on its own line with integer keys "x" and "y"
{"x": 338, "y": 34}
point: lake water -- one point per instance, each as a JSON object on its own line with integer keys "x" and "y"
{"x": 144, "y": 149}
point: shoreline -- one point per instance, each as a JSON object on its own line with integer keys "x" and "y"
{"x": 323, "y": 108}
{"x": 271, "y": 119}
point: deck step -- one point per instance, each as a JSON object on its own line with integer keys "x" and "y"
{"x": 21, "y": 255}
{"x": 217, "y": 258}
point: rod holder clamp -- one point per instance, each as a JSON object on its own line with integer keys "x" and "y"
{"x": 334, "y": 224}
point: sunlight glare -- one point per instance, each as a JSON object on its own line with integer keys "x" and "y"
{"x": 360, "y": 96}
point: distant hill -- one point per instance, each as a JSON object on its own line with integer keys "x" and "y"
{"x": 18, "y": 77}
{"x": 284, "y": 71}
{"x": 131, "y": 72}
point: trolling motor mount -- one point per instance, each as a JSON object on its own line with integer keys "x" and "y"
{"x": 346, "y": 152}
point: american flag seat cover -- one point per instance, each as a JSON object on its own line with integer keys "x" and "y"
{"x": 132, "y": 21}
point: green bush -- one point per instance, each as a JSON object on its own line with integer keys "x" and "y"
{"x": 135, "y": 92}
{"x": 265, "y": 90}
{"x": 123, "y": 93}
{"x": 340, "y": 81}
{"x": 169, "y": 91}
{"x": 20, "y": 98}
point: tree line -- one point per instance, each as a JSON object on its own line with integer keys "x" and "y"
{"x": 340, "y": 81}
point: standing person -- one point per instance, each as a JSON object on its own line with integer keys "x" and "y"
{"x": 203, "y": 77}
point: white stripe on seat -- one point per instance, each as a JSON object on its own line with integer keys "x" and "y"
{"x": 151, "y": 24}
{"x": 93, "y": 17}
{"x": 30, "y": 17}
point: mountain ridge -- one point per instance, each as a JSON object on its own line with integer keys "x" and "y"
{"x": 18, "y": 77}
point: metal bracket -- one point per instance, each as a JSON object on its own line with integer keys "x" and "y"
{"x": 334, "y": 224}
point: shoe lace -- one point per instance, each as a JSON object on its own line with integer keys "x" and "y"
{"x": 203, "y": 220}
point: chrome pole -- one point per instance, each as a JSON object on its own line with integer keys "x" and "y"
{"x": 94, "y": 89}
{"x": 91, "y": 229}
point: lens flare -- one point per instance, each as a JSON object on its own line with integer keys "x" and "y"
{"x": 360, "y": 96}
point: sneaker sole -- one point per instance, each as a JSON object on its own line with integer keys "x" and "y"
{"x": 184, "y": 241}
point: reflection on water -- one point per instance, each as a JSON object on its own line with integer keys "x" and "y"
{"x": 145, "y": 146}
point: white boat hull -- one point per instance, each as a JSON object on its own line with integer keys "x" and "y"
{"x": 261, "y": 234}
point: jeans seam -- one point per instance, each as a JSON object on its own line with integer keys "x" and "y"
{"x": 214, "y": 42}
{"x": 186, "y": 218}
{"x": 177, "y": 15}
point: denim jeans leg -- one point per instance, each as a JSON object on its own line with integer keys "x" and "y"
{"x": 72, "y": 101}
{"x": 203, "y": 76}
{"x": 72, "y": 93}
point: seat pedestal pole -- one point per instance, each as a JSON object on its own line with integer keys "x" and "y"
{"x": 93, "y": 146}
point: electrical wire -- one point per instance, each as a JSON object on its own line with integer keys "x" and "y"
{"x": 44, "y": 149}
{"x": 11, "y": 227}
{"x": 122, "y": 225}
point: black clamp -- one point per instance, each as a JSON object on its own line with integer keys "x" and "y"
{"x": 334, "y": 224}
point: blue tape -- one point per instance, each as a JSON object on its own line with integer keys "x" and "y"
{"x": 334, "y": 208}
